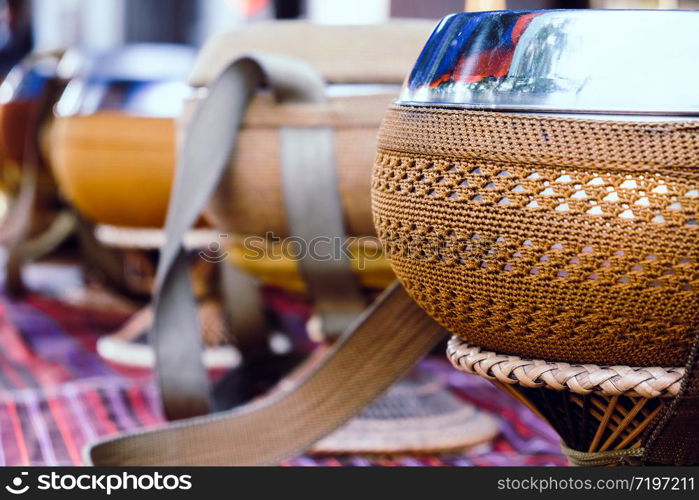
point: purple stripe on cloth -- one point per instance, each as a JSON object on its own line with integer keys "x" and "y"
{"x": 52, "y": 343}
{"x": 46, "y": 445}
{"x": 41, "y": 432}
{"x": 58, "y": 441}
{"x": 360, "y": 462}
{"x": 123, "y": 418}
{"x": 76, "y": 406}
{"x": 152, "y": 399}
{"x": 538, "y": 443}
{"x": 5, "y": 383}
{"x": 8, "y": 438}
{"x": 3, "y": 427}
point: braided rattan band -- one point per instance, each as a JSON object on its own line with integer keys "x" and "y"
{"x": 628, "y": 456}
{"x": 651, "y": 382}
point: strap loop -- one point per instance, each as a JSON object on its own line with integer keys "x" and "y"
{"x": 206, "y": 152}
{"x": 315, "y": 220}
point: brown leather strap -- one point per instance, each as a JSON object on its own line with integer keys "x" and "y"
{"x": 382, "y": 345}
{"x": 315, "y": 221}
{"x": 674, "y": 440}
{"x": 16, "y": 228}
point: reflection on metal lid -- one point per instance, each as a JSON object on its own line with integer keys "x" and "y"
{"x": 336, "y": 90}
{"x": 141, "y": 62}
{"x": 584, "y": 61}
{"x": 144, "y": 80}
{"x": 150, "y": 99}
{"x": 361, "y": 89}
{"x": 28, "y": 79}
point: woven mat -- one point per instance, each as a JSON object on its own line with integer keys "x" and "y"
{"x": 56, "y": 394}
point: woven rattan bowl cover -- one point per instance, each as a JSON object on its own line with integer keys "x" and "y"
{"x": 563, "y": 239}
{"x": 553, "y": 237}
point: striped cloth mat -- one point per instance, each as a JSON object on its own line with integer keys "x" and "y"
{"x": 57, "y": 394}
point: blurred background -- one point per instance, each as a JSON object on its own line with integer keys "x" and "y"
{"x": 103, "y": 24}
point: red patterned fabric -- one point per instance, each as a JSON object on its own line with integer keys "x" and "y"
{"x": 56, "y": 394}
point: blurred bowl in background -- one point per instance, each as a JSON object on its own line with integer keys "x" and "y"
{"x": 113, "y": 140}
{"x": 27, "y": 96}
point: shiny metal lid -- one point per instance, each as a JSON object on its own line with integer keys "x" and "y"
{"x": 569, "y": 61}
{"x": 139, "y": 79}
